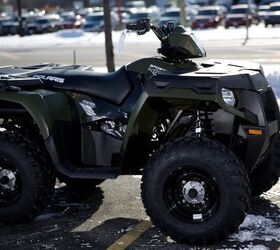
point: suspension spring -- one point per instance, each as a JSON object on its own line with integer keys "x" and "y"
{"x": 204, "y": 124}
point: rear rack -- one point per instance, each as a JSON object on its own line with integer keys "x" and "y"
{"x": 14, "y": 78}
{"x": 15, "y": 83}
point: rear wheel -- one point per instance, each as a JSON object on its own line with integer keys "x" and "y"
{"x": 267, "y": 174}
{"x": 26, "y": 179}
{"x": 196, "y": 191}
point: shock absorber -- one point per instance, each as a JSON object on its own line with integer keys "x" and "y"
{"x": 198, "y": 125}
{"x": 203, "y": 124}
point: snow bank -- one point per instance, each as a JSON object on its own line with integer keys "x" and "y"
{"x": 256, "y": 32}
{"x": 72, "y": 33}
{"x": 79, "y": 38}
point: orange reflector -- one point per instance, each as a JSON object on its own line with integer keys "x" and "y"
{"x": 255, "y": 132}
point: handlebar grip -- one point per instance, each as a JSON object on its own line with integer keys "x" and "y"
{"x": 142, "y": 25}
{"x": 132, "y": 26}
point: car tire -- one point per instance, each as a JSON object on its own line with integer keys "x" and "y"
{"x": 26, "y": 179}
{"x": 188, "y": 167}
{"x": 267, "y": 174}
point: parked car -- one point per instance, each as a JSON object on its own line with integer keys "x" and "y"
{"x": 268, "y": 2}
{"x": 9, "y": 26}
{"x": 246, "y": 2}
{"x": 225, "y": 3}
{"x": 135, "y": 4}
{"x": 209, "y": 17}
{"x": 95, "y": 22}
{"x": 172, "y": 14}
{"x": 199, "y": 2}
{"x": 263, "y": 12}
{"x": 136, "y": 15}
{"x": 3, "y": 19}
{"x": 45, "y": 24}
{"x": 71, "y": 21}
{"x": 273, "y": 15}
{"x": 28, "y": 22}
{"x": 238, "y": 15}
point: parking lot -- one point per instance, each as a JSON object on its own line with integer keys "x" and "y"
{"x": 112, "y": 215}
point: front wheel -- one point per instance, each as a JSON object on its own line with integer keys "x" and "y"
{"x": 196, "y": 191}
{"x": 267, "y": 174}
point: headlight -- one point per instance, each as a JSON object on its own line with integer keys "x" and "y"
{"x": 228, "y": 97}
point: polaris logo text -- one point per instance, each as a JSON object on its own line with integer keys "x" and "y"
{"x": 50, "y": 78}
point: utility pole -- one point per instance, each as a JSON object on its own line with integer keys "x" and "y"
{"x": 20, "y": 17}
{"x": 181, "y": 4}
{"x": 248, "y": 21}
{"x": 108, "y": 36}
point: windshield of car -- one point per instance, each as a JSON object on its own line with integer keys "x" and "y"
{"x": 69, "y": 19}
{"x": 3, "y": 21}
{"x": 207, "y": 12}
{"x": 239, "y": 11}
{"x": 136, "y": 4}
{"x": 263, "y": 8}
{"x": 94, "y": 18}
{"x": 275, "y": 8}
{"x": 266, "y": 2}
{"x": 171, "y": 14}
{"x": 139, "y": 15}
{"x": 42, "y": 21}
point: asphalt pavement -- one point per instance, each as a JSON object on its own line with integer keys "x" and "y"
{"x": 111, "y": 216}
{"x": 259, "y": 50}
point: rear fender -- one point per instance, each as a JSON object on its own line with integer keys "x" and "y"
{"x": 44, "y": 107}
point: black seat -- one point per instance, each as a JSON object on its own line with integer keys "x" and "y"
{"x": 113, "y": 87}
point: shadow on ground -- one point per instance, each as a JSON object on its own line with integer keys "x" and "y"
{"x": 60, "y": 227}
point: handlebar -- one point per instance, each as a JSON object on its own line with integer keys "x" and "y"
{"x": 143, "y": 26}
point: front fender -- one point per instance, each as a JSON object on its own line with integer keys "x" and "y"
{"x": 144, "y": 116}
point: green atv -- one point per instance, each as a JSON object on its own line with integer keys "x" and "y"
{"x": 202, "y": 135}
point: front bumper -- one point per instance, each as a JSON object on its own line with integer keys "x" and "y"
{"x": 272, "y": 20}
{"x": 235, "y": 23}
{"x": 204, "y": 24}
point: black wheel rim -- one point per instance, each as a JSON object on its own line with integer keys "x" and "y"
{"x": 10, "y": 184}
{"x": 191, "y": 194}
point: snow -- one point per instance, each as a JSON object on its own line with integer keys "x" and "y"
{"x": 79, "y": 38}
{"x": 257, "y": 227}
{"x": 72, "y": 33}
{"x": 255, "y": 247}
{"x": 272, "y": 73}
{"x": 47, "y": 216}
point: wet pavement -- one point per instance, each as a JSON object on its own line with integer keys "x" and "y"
{"x": 113, "y": 210}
